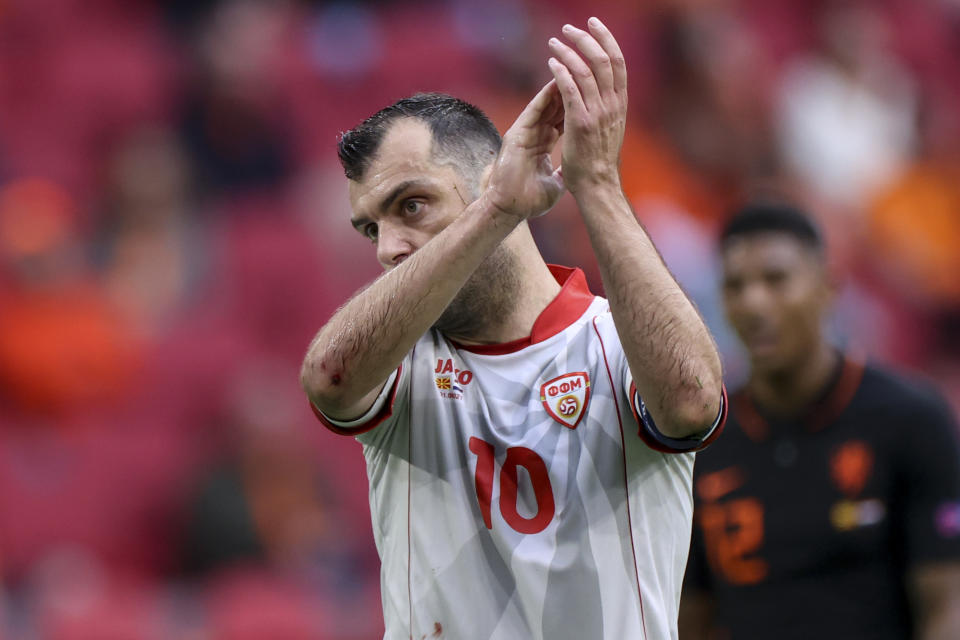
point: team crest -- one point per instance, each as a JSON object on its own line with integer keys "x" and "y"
{"x": 850, "y": 466}
{"x": 565, "y": 397}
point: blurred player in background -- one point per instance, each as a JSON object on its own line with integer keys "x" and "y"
{"x": 470, "y": 360}
{"x": 831, "y": 508}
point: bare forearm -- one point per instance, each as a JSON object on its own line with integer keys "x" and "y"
{"x": 672, "y": 356}
{"x": 367, "y": 338}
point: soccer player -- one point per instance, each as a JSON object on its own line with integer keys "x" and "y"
{"x": 517, "y": 430}
{"x": 831, "y": 507}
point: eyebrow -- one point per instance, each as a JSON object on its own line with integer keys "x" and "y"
{"x": 387, "y": 202}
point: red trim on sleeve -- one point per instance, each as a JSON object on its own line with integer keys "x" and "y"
{"x": 572, "y": 302}
{"x": 664, "y": 444}
{"x": 626, "y": 475}
{"x": 385, "y": 412}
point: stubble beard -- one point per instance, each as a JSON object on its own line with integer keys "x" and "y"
{"x": 486, "y": 299}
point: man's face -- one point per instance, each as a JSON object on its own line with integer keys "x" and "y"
{"x": 404, "y": 197}
{"x": 775, "y": 292}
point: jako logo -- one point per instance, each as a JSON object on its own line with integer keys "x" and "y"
{"x": 463, "y": 376}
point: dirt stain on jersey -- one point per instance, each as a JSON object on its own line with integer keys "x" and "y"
{"x": 437, "y": 631}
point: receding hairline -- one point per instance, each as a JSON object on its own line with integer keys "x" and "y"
{"x": 462, "y": 134}
{"x": 406, "y": 150}
{"x": 439, "y": 157}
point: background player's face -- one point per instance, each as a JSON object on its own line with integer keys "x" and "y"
{"x": 775, "y": 293}
{"x": 405, "y": 198}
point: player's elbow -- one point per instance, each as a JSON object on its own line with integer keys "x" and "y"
{"x": 322, "y": 383}
{"x": 695, "y": 414}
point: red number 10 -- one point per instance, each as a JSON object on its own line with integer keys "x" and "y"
{"x": 516, "y": 457}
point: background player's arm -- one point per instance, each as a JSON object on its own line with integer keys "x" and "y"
{"x": 929, "y": 463}
{"x": 364, "y": 342}
{"x": 672, "y": 357}
{"x": 936, "y": 597}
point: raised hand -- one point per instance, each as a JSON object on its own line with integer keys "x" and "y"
{"x": 591, "y": 77}
{"x": 523, "y": 182}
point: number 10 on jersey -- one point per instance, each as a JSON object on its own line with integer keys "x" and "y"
{"x": 539, "y": 477}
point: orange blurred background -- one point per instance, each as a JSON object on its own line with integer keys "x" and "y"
{"x": 173, "y": 230}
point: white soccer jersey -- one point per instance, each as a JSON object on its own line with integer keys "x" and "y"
{"x": 515, "y": 493}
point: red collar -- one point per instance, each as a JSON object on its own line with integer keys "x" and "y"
{"x": 821, "y": 413}
{"x": 564, "y": 310}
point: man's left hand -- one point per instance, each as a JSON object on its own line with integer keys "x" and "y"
{"x": 592, "y": 78}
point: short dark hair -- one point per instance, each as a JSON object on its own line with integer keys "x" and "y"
{"x": 769, "y": 217}
{"x": 461, "y": 133}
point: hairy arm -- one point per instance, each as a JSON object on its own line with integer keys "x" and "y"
{"x": 354, "y": 353}
{"x": 671, "y": 354}
{"x": 352, "y": 356}
{"x": 672, "y": 357}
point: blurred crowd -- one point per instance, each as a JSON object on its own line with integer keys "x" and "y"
{"x": 173, "y": 230}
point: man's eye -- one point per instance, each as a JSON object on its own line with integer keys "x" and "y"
{"x": 370, "y": 231}
{"x": 775, "y": 278}
{"x": 732, "y": 285}
{"x": 412, "y": 207}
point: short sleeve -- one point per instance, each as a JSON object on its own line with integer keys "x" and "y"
{"x": 381, "y": 410}
{"x": 930, "y": 470}
{"x": 648, "y": 432}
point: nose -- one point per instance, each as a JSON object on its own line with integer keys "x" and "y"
{"x": 755, "y": 297}
{"x": 393, "y": 245}
{"x": 751, "y": 307}
{"x": 744, "y": 302}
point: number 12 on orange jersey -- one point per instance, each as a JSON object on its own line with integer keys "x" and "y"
{"x": 536, "y": 469}
{"x": 733, "y": 532}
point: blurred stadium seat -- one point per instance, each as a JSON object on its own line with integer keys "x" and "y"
{"x": 173, "y": 229}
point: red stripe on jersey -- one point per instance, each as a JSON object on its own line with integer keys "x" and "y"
{"x": 385, "y": 412}
{"x": 841, "y": 389}
{"x": 409, "y": 551}
{"x": 413, "y": 353}
{"x": 626, "y": 482}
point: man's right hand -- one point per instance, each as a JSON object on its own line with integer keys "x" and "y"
{"x": 523, "y": 183}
